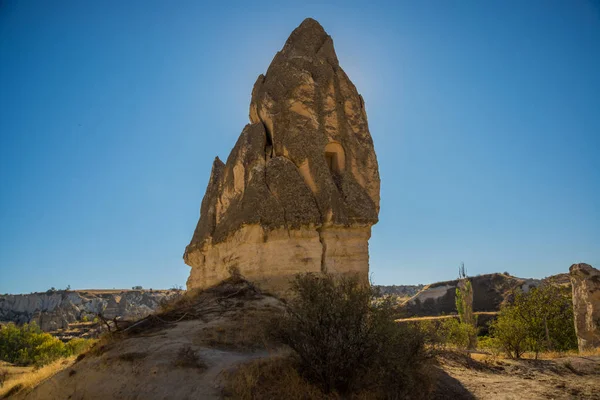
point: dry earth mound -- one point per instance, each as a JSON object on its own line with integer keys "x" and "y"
{"x": 176, "y": 354}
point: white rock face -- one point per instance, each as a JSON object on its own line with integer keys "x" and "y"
{"x": 55, "y": 310}
{"x": 585, "y": 281}
{"x": 272, "y": 258}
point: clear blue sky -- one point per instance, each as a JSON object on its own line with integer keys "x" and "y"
{"x": 485, "y": 117}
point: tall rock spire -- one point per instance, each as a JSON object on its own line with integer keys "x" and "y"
{"x": 300, "y": 190}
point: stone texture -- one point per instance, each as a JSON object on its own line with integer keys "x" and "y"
{"x": 585, "y": 281}
{"x": 300, "y": 189}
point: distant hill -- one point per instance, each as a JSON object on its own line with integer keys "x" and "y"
{"x": 56, "y": 309}
{"x": 399, "y": 290}
{"x": 490, "y": 291}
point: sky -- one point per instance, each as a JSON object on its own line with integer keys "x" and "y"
{"x": 485, "y": 118}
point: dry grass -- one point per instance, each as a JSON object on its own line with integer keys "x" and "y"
{"x": 441, "y": 317}
{"x": 247, "y": 329}
{"x": 20, "y": 379}
{"x": 205, "y": 305}
{"x": 187, "y": 358}
{"x": 132, "y": 356}
{"x": 272, "y": 378}
{"x": 546, "y": 355}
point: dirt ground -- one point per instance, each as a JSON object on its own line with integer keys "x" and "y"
{"x": 573, "y": 377}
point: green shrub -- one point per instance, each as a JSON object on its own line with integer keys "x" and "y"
{"x": 490, "y": 344}
{"x": 27, "y": 345}
{"x": 539, "y": 320}
{"x": 458, "y": 334}
{"x": 446, "y": 332}
{"x": 77, "y": 346}
{"x": 347, "y": 343}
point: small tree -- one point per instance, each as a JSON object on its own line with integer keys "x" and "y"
{"x": 464, "y": 306}
{"x": 539, "y": 320}
{"x": 510, "y": 332}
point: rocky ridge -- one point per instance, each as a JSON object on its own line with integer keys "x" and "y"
{"x": 54, "y": 310}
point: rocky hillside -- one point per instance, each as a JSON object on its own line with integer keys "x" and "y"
{"x": 489, "y": 292}
{"x": 54, "y": 310}
{"x": 399, "y": 290}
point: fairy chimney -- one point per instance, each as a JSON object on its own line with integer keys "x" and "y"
{"x": 300, "y": 189}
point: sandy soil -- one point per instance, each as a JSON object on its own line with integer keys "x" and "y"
{"x": 145, "y": 367}
{"x": 495, "y": 379}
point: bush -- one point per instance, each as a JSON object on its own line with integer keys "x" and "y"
{"x": 347, "y": 343}
{"x": 447, "y": 332}
{"x": 27, "y": 345}
{"x": 458, "y": 334}
{"x": 490, "y": 344}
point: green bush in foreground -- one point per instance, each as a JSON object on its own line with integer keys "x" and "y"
{"x": 28, "y": 345}
{"x": 348, "y": 343}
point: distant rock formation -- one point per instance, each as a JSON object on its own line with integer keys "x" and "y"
{"x": 55, "y": 310}
{"x": 585, "y": 281}
{"x": 398, "y": 290}
{"x": 300, "y": 189}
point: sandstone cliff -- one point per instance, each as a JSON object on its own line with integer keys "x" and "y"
{"x": 585, "y": 280}
{"x": 57, "y": 309}
{"x": 300, "y": 190}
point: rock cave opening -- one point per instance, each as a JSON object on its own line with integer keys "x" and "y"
{"x": 334, "y": 157}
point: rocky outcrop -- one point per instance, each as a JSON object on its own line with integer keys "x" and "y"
{"x": 300, "y": 190}
{"x": 398, "y": 290}
{"x": 57, "y": 309}
{"x": 585, "y": 281}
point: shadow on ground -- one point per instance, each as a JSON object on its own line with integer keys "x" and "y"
{"x": 448, "y": 387}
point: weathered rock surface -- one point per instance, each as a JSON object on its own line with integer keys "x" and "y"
{"x": 300, "y": 190}
{"x": 585, "y": 281}
{"x": 56, "y": 310}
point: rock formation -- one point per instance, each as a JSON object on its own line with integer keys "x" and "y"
{"x": 585, "y": 281}
{"x": 300, "y": 190}
{"x": 57, "y": 309}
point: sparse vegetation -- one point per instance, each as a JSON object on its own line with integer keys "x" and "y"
{"x": 243, "y": 331}
{"x": 187, "y": 358}
{"x": 346, "y": 343}
{"x": 19, "y": 379}
{"x": 28, "y": 345}
{"x": 133, "y": 356}
{"x": 272, "y": 378}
